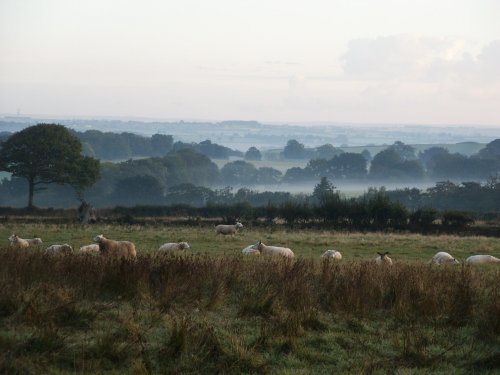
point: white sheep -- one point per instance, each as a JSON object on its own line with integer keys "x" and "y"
{"x": 228, "y": 229}
{"x": 251, "y": 250}
{"x": 90, "y": 249}
{"x": 117, "y": 249}
{"x": 332, "y": 254}
{"x": 274, "y": 250}
{"x": 477, "y": 259}
{"x": 18, "y": 242}
{"x": 443, "y": 258}
{"x": 34, "y": 241}
{"x": 383, "y": 259}
{"x": 173, "y": 247}
{"x": 59, "y": 249}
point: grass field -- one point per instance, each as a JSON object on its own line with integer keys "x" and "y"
{"x": 215, "y": 311}
{"x": 305, "y": 243}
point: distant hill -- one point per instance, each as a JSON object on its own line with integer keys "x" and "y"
{"x": 240, "y": 135}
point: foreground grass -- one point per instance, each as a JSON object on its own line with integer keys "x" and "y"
{"x": 214, "y": 311}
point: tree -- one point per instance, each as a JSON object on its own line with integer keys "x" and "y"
{"x": 392, "y": 164}
{"x": 324, "y": 190}
{"x": 491, "y": 151}
{"x": 326, "y": 151}
{"x": 268, "y": 176}
{"x": 406, "y": 152}
{"x": 294, "y": 150}
{"x": 348, "y": 166}
{"x": 48, "y": 153}
{"x": 239, "y": 172}
{"x": 134, "y": 190}
{"x": 161, "y": 144}
{"x": 253, "y": 154}
{"x": 298, "y": 175}
{"x": 188, "y": 166}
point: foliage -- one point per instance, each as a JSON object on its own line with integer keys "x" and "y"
{"x": 397, "y": 162}
{"x": 116, "y": 146}
{"x": 239, "y": 172}
{"x": 294, "y": 150}
{"x": 207, "y": 148}
{"x": 45, "y": 154}
{"x": 346, "y": 166}
{"x": 491, "y": 151}
{"x": 253, "y": 154}
{"x": 142, "y": 189}
{"x": 326, "y": 151}
{"x": 188, "y": 166}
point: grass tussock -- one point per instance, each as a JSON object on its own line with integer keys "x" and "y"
{"x": 191, "y": 314}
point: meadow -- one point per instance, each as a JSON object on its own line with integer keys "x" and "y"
{"x": 212, "y": 310}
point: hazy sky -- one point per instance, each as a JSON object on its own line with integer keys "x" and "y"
{"x": 384, "y": 61}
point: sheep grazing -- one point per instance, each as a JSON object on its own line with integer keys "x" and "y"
{"x": 274, "y": 250}
{"x": 383, "y": 259}
{"x": 173, "y": 247}
{"x": 228, "y": 230}
{"x": 34, "y": 241}
{"x": 478, "y": 259}
{"x": 59, "y": 249}
{"x": 443, "y": 258}
{"x": 117, "y": 249}
{"x": 251, "y": 250}
{"x": 18, "y": 242}
{"x": 332, "y": 254}
{"x": 90, "y": 249}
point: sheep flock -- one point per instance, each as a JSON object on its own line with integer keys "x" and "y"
{"x": 123, "y": 249}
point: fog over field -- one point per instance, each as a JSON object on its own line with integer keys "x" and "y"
{"x": 241, "y": 135}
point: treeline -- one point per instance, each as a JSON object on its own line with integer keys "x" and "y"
{"x": 400, "y": 162}
{"x": 119, "y": 146}
{"x": 371, "y": 213}
{"x": 122, "y": 146}
{"x": 188, "y": 177}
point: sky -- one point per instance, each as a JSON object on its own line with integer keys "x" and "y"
{"x": 355, "y": 61}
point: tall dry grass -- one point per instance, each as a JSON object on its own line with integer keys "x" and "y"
{"x": 54, "y": 295}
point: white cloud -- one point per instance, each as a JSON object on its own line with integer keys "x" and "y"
{"x": 416, "y": 58}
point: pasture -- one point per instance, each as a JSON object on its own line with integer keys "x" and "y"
{"x": 212, "y": 310}
{"x": 308, "y": 243}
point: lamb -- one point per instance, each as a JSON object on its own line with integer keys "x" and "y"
{"x": 173, "y": 247}
{"x": 117, "y": 249}
{"x": 383, "y": 259}
{"x": 90, "y": 249}
{"x": 332, "y": 254}
{"x": 478, "y": 259}
{"x": 228, "y": 229}
{"x": 443, "y": 258}
{"x": 18, "y": 242}
{"x": 274, "y": 250}
{"x": 251, "y": 250}
{"x": 59, "y": 249}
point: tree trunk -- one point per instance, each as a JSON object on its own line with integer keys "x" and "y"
{"x": 86, "y": 213}
{"x": 31, "y": 184}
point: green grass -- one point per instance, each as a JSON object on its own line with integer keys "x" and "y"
{"x": 214, "y": 311}
{"x": 305, "y": 243}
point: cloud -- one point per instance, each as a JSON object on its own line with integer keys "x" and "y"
{"x": 421, "y": 59}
